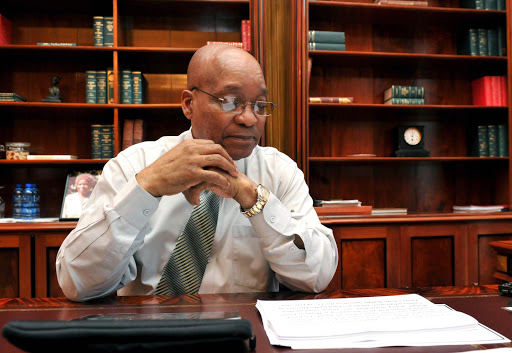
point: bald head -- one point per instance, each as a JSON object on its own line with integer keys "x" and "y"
{"x": 212, "y": 62}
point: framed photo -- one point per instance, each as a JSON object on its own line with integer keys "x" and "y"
{"x": 79, "y": 186}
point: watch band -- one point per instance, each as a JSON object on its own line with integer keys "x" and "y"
{"x": 263, "y": 195}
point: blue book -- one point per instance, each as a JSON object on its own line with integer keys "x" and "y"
{"x": 138, "y": 87}
{"x": 101, "y": 86}
{"x": 490, "y": 4}
{"x": 472, "y": 4}
{"x": 492, "y": 140}
{"x": 107, "y": 141}
{"x": 327, "y": 46}
{"x": 483, "y": 141}
{"x": 492, "y": 42}
{"x": 108, "y": 31}
{"x": 91, "y": 95}
{"x": 405, "y": 101}
{"x": 326, "y": 37}
{"x": 126, "y": 87}
{"x": 95, "y": 142}
{"x": 500, "y": 5}
{"x": 98, "y": 31}
{"x": 483, "y": 47}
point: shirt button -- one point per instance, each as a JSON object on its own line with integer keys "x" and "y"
{"x": 146, "y": 212}
{"x": 292, "y": 248}
{"x": 209, "y": 259}
{"x": 272, "y": 219}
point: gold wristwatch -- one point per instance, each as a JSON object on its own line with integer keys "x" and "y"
{"x": 263, "y": 195}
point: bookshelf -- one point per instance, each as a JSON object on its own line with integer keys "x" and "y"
{"x": 415, "y": 46}
{"x": 155, "y": 37}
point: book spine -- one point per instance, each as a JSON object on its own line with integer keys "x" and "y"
{"x": 483, "y": 48}
{"x": 483, "y": 149}
{"x": 492, "y": 42}
{"x": 502, "y": 141}
{"x": 127, "y": 133}
{"x": 101, "y": 86}
{"x": 490, "y": 4}
{"x": 504, "y": 91}
{"x": 327, "y": 46}
{"x": 95, "y": 142}
{"x": 58, "y": 44}
{"x": 107, "y": 141}
{"x": 341, "y": 100}
{"x": 500, "y": 5}
{"x": 137, "y": 96}
{"x": 126, "y": 87}
{"x": 502, "y": 41}
{"x": 12, "y": 95}
{"x": 245, "y": 35}
{"x": 5, "y": 30}
{"x": 138, "y": 131}
{"x": 492, "y": 142}
{"x": 399, "y": 91}
{"x": 496, "y": 98}
{"x": 326, "y": 37}
{"x": 406, "y": 101}
{"x": 108, "y": 31}
{"x": 235, "y": 44}
{"x": 482, "y": 91}
{"x": 98, "y": 31}
{"x": 110, "y": 86}
{"x": 91, "y": 93}
{"x": 467, "y": 42}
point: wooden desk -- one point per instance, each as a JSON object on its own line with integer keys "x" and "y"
{"x": 482, "y": 302}
{"x": 503, "y": 260}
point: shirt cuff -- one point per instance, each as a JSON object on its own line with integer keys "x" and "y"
{"x": 134, "y": 204}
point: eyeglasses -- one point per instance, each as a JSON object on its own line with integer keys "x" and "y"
{"x": 237, "y": 105}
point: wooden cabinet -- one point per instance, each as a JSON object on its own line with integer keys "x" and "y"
{"x": 401, "y": 45}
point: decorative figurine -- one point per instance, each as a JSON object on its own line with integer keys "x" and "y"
{"x": 54, "y": 96}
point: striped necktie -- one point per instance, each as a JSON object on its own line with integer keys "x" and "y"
{"x": 184, "y": 271}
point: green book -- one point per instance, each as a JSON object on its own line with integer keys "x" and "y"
{"x": 492, "y": 133}
{"x": 90, "y": 87}
{"x": 492, "y": 42}
{"x": 98, "y": 31}
{"x": 472, "y": 4}
{"x": 327, "y": 46}
{"x": 126, "y": 87}
{"x": 490, "y": 4}
{"x": 108, "y": 31}
{"x": 400, "y": 91}
{"x": 107, "y": 141}
{"x": 467, "y": 43}
{"x": 95, "y": 142}
{"x": 500, "y": 5}
{"x": 101, "y": 86}
{"x": 502, "y": 141}
{"x": 483, "y": 48}
{"x": 406, "y": 101}
{"x": 326, "y": 37}
{"x": 483, "y": 138}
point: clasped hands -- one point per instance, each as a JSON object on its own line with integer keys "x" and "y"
{"x": 194, "y": 166}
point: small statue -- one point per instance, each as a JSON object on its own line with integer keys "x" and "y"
{"x": 54, "y": 96}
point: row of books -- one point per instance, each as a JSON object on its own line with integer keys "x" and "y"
{"x": 492, "y": 141}
{"x": 483, "y": 42}
{"x": 402, "y": 2}
{"x": 246, "y": 37}
{"x": 102, "y": 141}
{"x": 97, "y": 88}
{"x": 103, "y": 27}
{"x": 132, "y": 87}
{"x": 326, "y": 40}
{"x": 401, "y": 94}
{"x": 11, "y": 97}
{"x": 134, "y": 131}
{"x": 490, "y": 91}
{"x": 483, "y": 4}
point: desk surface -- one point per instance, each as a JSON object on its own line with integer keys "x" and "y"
{"x": 482, "y": 302}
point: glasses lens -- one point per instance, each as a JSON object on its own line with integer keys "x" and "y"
{"x": 230, "y": 104}
{"x": 263, "y": 108}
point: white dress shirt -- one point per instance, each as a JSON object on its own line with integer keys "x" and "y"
{"x": 125, "y": 236}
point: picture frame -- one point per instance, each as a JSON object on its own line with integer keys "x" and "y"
{"x": 79, "y": 186}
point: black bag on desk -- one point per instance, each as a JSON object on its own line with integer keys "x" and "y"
{"x": 181, "y": 335}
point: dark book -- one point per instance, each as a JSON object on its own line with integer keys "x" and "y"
{"x": 502, "y": 141}
{"x": 472, "y": 4}
{"x": 500, "y": 5}
{"x": 126, "y": 87}
{"x": 107, "y": 141}
{"x": 406, "y": 101}
{"x": 492, "y": 140}
{"x": 139, "y": 131}
{"x": 483, "y": 48}
{"x": 503, "y": 90}
{"x": 57, "y": 44}
{"x": 326, "y": 46}
{"x": 101, "y": 87}
{"x": 482, "y": 91}
{"x": 483, "y": 147}
{"x": 98, "y": 31}
{"x": 5, "y": 30}
{"x": 127, "y": 140}
{"x": 492, "y": 42}
{"x": 137, "y": 87}
{"x": 502, "y": 41}
{"x": 110, "y": 86}
{"x": 341, "y": 100}
{"x": 401, "y": 91}
{"x": 95, "y": 142}
{"x": 467, "y": 42}
{"x": 91, "y": 94}
{"x": 13, "y": 95}
{"x": 490, "y": 5}
{"x": 326, "y": 37}
{"x": 108, "y": 31}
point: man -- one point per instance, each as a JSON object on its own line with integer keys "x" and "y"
{"x": 266, "y": 229}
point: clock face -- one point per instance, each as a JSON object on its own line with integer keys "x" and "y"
{"x": 412, "y": 136}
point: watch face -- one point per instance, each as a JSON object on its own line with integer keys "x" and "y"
{"x": 412, "y": 136}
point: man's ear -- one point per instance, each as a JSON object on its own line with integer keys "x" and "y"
{"x": 186, "y": 103}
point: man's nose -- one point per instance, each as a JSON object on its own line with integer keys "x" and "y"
{"x": 247, "y": 116}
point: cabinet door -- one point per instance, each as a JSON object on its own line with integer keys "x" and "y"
{"x": 46, "y": 248}
{"x": 433, "y": 255}
{"x": 368, "y": 257}
{"x": 15, "y": 280}
{"x": 481, "y": 256}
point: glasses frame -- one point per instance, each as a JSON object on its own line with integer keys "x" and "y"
{"x": 246, "y": 102}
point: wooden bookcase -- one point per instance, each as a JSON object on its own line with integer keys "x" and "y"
{"x": 153, "y": 36}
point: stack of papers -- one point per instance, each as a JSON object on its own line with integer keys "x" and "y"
{"x": 401, "y": 320}
{"x": 340, "y": 203}
{"x": 478, "y": 209}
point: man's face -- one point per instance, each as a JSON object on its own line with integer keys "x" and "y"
{"x": 238, "y": 133}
